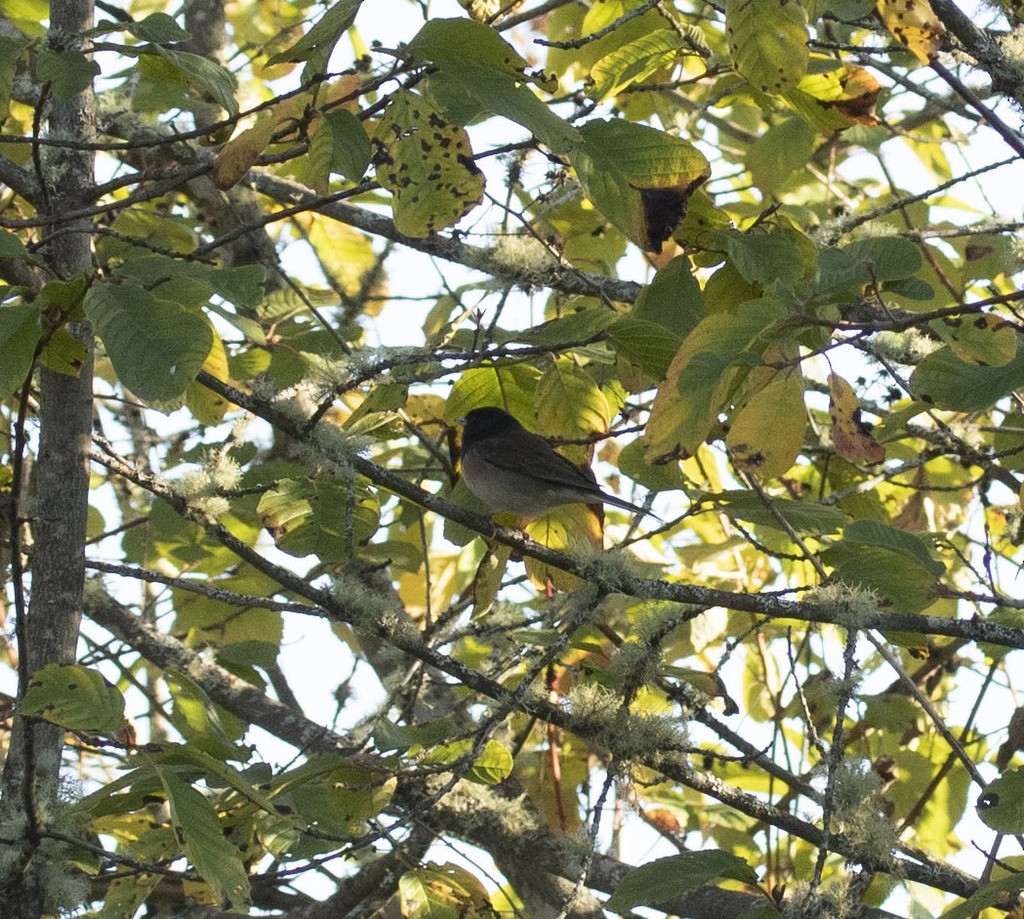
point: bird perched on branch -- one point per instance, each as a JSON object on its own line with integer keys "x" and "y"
{"x": 511, "y": 469}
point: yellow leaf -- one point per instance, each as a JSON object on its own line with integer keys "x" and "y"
{"x": 836, "y": 99}
{"x": 768, "y": 432}
{"x": 571, "y": 529}
{"x": 443, "y": 890}
{"x": 851, "y": 436}
{"x": 569, "y": 404}
{"x": 489, "y": 10}
{"x": 207, "y": 406}
{"x": 914, "y": 25}
{"x": 427, "y": 164}
{"x": 487, "y": 582}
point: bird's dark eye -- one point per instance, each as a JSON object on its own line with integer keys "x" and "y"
{"x": 987, "y": 800}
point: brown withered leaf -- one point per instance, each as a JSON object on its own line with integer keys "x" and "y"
{"x": 851, "y": 436}
{"x": 860, "y": 93}
{"x": 661, "y": 211}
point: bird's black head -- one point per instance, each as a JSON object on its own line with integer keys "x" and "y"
{"x": 482, "y": 423}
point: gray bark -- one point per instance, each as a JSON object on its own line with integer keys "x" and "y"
{"x": 32, "y": 878}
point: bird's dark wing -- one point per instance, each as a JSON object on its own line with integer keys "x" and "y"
{"x": 535, "y": 457}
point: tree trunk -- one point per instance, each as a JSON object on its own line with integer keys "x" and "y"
{"x": 30, "y": 878}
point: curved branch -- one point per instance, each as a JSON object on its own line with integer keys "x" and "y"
{"x": 1006, "y": 76}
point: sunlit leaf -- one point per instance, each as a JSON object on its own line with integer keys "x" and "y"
{"x": 665, "y": 878}
{"x": 638, "y": 177}
{"x": 157, "y": 346}
{"x": 833, "y": 100}
{"x": 636, "y": 60}
{"x": 851, "y": 436}
{"x": 427, "y": 165}
{"x": 217, "y": 860}
{"x": 768, "y": 42}
{"x": 914, "y": 25}
{"x": 767, "y": 433}
{"x": 700, "y": 376}
{"x": 75, "y": 697}
{"x": 327, "y": 518}
{"x": 979, "y": 339}
{"x": 441, "y": 891}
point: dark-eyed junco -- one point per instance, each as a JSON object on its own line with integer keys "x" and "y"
{"x": 511, "y": 469}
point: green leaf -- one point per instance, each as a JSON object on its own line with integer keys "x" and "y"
{"x": 802, "y": 516}
{"x": 851, "y": 9}
{"x": 894, "y": 564}
{"x": 762, "y": 258}
{"x": 466, "y": 91}
{"x": 889, "y": 259}
{"x": 156, "y": 346}
{"x": 250, "y": 635}
{"x": 20, "y": 332}
{"x": 986, "y": 339}
{"x": 327, "y": 518}
{"x": 204, "y": 74}
{"x": 12, "y": 247}
{"x": 638, "y": 177}
{"x": 987, "y": 895}
{"x": 647, "y": 344}
{"x": 316, "y": 45}
{"x": 351, "y": 155}
{"x": 202, "y": 723}
{"x": 74, "y": 697}
{"x": 68, "y": 72}
{"x": 427, "y": 165}
{"x": 873, "y": 533}
{"x": 768, "y": 42}
{"x": 568, "y": 403}
{"x": 778, "y": 153}
{"x": 633, "y": 61}
{"x": 217, "y": 861}
{"x": 463, "y": 41}
{"x": 64, "y": 353}
{"x": 510, "y": 387}
{"x": 319, "y": 154}
{"x": 837, "y": 98}
{"x": 1001, "y": 803}
{"x": 664, "y": 477}
{"x": 341, "y": 801}
{"x": 491, "y": 767}
{"x": 943, "y": 380}
{"x": 673, "y": 299}
{"x": 194, "y": 284}
{"x": 701, "y": 376}
{"x": 443, "y": 892}
{"x": 388, "y": 736}
{"x": 665, "y": 878}
{"x": 158, "y": 28}
{"x": 29, "y": 16}
{"x": 578, "y": 326}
